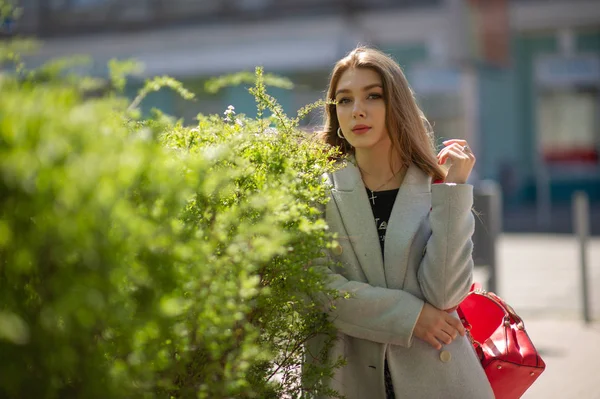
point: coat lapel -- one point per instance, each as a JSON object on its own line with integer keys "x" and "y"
{"x": 352, "y": 202}
{"x": 411, "y": 204}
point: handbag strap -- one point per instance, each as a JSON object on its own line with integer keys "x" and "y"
{"x": 463, "y": 319}
{"x": 509, "y": 309}
{"x": 476, "y": 345}
{"x": 509, "y": 312}
{"x": 474, "y": 287}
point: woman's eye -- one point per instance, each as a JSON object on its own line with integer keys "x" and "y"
{"x": 344, "y": 100}
{"x": 375, "y": 96}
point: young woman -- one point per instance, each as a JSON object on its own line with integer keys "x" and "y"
{"x": 404, "y": 228}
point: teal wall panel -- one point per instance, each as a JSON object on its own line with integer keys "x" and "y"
{"x": 244, "y": 102}
{"x": 407, "y": 55}
{"x": 588, "y": 41}
{"x": 239, "y": 97}
{"x": 498, "y": 132}
{"x": 525, "y": 49}
{"x": 162, "y": 100}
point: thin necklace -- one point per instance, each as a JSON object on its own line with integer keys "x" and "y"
{"x": 373, "y": 196}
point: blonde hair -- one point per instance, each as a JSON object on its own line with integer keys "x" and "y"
{"x": 410, "y": 132}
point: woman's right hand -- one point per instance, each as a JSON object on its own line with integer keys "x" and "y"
{"x": 436, "y": 326}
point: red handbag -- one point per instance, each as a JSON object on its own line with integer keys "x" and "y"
{"x": 498, "y": 335}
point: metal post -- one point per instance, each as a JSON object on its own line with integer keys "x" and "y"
{"x": 495, "y": 229}
{"x": 488, "y": 226}
{"x": 543, "y": 197}
{"x": 582, "y": 230}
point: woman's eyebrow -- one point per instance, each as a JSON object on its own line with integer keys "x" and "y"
{"x": 367, "y": 87}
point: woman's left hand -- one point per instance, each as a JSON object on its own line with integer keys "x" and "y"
{"x": 462, "y": 160}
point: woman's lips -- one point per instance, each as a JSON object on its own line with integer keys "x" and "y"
{"x": 360, "y": 129}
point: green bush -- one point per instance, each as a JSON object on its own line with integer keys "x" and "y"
{"x": 140, "y": 258}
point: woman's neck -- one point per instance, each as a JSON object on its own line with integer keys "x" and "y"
{"x": 380, "y": 170}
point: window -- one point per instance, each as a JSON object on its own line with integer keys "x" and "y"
{"x": 568, "y": 125}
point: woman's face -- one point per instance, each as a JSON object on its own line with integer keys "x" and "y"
{"x": 360, "y": 109}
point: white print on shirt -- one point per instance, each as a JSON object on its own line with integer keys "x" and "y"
{"x": 382, "y": 229}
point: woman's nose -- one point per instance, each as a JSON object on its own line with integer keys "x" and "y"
{"x": 357, "y": 110}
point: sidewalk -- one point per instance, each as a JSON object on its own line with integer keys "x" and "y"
{"x": 571, "y": 352}
{"x": 539, "y": 275}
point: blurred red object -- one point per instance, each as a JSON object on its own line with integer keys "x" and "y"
{"x": 571, "y": 155}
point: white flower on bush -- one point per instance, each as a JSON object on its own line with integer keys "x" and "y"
{"x": 229, "y": 114}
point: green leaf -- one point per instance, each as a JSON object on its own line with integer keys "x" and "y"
{"x": 13, "y": 329}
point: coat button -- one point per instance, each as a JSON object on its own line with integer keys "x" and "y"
{"x": 445, "y": 356}
{"x": 337, "y": 249}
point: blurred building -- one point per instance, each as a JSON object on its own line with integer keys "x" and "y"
{"x": 519, "y": 79}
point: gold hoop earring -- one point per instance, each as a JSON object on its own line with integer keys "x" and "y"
{"x": 339, "y": 133}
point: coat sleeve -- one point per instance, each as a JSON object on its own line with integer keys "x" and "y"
{"x": 367, "y": 312}
{"x": 446, "y": 270}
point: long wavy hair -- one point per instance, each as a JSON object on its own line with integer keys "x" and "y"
{"x": 410, "y": 132}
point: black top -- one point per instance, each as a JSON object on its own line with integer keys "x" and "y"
{"x": 382, "y": 203}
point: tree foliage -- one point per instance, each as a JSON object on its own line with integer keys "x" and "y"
{"x": 144, "y": 258}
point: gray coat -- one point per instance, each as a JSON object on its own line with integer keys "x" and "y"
{"x": 428, "y": 258}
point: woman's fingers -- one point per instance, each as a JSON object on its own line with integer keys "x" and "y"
{"x": 462, "y": 158}
{"x": 458, "y": 326}
{"x": 436, "y": 326}
{"x": 457, "y": 148}
{"x": 454, "y": 153}
{"x": 447, "y": 336}
{"x": 433, "y": 341}
{"x": 452, "y": 141}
